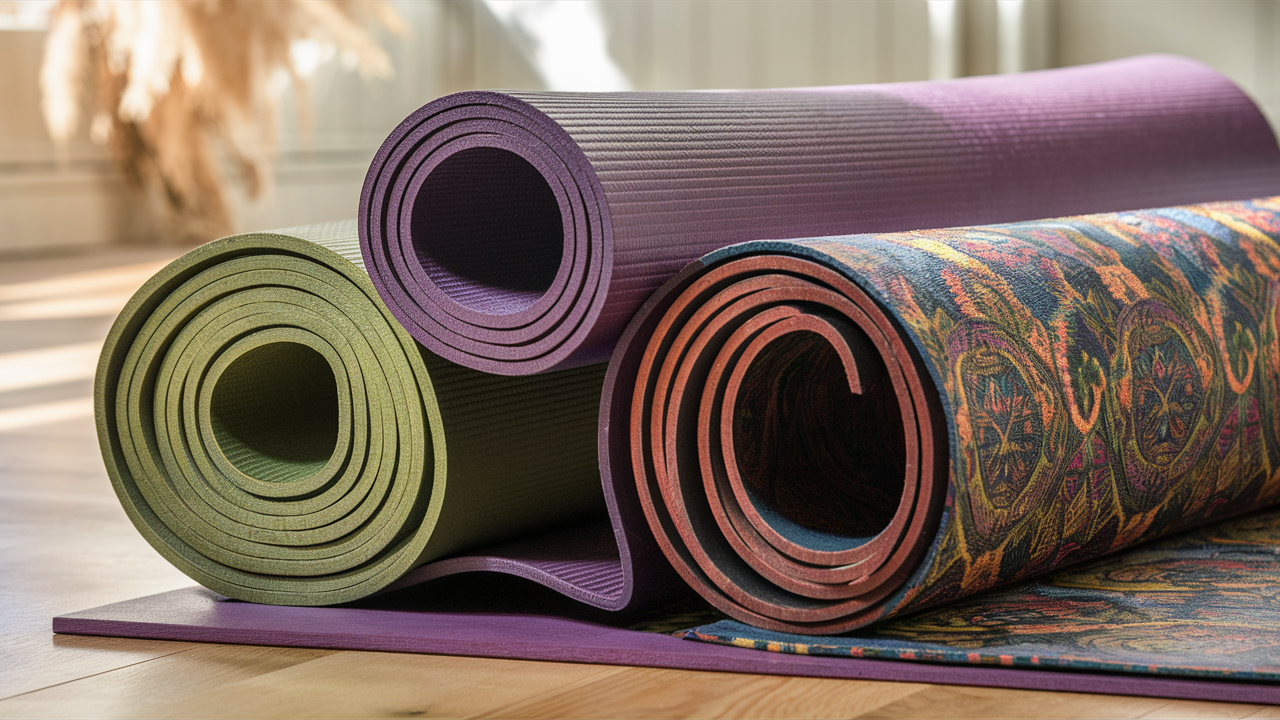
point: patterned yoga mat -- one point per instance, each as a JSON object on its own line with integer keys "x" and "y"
{"x": 828, "y": 432}
{"x": 1205, "y": 603}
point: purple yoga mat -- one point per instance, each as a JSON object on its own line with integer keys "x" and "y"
{"x": 519, "y": 232}
{"x": 196, "y": 614}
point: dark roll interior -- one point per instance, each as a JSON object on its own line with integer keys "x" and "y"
{"x": 487, "y": 230}
{"x": 274, "y": 412}
{"x": 810, "y": 451}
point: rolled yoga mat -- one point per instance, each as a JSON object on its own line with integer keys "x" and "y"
{"x": 830, "y": 431}
{"x": 276, "y": 435}
{"x": 519, "y": 232}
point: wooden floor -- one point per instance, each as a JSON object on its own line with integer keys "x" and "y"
{"x": 66, "y": 545}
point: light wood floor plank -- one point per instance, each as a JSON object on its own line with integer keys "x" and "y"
{"x": 365, "y": 684}
{"x": 1197, "y": 709}
{"x": 35, "y": 660}
{"x": 158, "y": 687}
{"x": 955, "y": 701}
{"x": 657, "y": 692}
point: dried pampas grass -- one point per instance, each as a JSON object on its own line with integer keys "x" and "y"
{"x": 185, "y": 90}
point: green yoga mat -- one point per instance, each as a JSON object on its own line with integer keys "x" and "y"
{"x": 275, "y": 434}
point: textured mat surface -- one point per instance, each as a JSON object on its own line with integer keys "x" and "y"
{"x": 275, "y": 434}
{"x": 1200, "y": 604}
{"x": 516, "y": 233}
{"x": 827, "y": 432}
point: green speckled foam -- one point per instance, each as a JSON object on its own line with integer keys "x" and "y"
{"x": 275, "y": 434}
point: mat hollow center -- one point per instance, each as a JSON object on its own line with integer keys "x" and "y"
{"x": 487, "y": 230}
{"x": 817, "y": 459}
{"x": 274, "y": 412}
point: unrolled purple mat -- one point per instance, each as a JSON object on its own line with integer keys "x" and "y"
{"x": 519, "y": 232}
{"x": 196, "y": 614}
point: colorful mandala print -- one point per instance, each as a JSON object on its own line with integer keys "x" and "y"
{"x": 1205, "y": 603}
{"x": 1109, "y": 378}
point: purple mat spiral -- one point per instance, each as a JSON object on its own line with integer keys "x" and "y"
{"x": 517, "y": 233}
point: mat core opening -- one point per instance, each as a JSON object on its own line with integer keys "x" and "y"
{"x": 813, "y": 455}
{"x": 274, "y": 412}
{"x": 487, "y": 230}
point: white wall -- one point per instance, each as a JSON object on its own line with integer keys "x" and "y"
{"x": 660, "y": 44}
{"x": 1238, "y": 37}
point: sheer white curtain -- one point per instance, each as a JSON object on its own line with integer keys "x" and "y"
{"x": 564, "y": 40}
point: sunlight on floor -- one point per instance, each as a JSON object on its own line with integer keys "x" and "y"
{"x": 48, "y": 366}
{"x": 83, "y": 294}
{"x": 20, "y": 418}
{"x": 35, "y": 382}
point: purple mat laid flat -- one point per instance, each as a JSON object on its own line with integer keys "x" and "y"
{"x": 197, "y": 614}
{"x": 519, "y": 232}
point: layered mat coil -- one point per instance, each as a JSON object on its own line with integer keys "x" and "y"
{"x": 830, "y": 431}
{"x": 275, "y": 434}
{"x": 519, "y": 232}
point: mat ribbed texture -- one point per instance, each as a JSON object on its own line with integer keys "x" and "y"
{"x": 516, "y": 233}
{"x": 277, "y": 436}
{"x": 827, "y": 432}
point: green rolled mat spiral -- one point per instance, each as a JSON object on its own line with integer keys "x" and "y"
{"x": 275, "y": 434}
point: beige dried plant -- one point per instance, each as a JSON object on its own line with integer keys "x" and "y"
{"x": 184, "y": 92}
